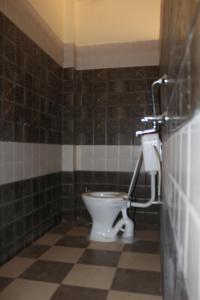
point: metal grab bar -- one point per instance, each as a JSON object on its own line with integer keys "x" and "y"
{"x": 135, "y": 176}
{"x": 153, "y": 194}
{"x": 153, "y": 185}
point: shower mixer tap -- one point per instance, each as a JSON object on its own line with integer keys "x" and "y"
{"x": 155, "y": 119}
{"x": 160, "y": 119}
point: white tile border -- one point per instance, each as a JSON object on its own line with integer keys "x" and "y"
{"x": 21, "y": 161}
{"x": 99, "y": 158}
{"x": 68, "y": 158}
{"x": 118, "y": 55}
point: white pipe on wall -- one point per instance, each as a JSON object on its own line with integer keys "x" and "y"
{"x": 153, "y": 193}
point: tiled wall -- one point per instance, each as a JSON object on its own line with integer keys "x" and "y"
{"x": 103, "y": 108}
{"x": 30, "y": 137}
{"x": 113, "y": 158}
{"x": 181, "y": 193}
{"x": 25, "y": 17}
{"x": 180, "y": 211}
{"x": 107, "y": 104}
{"x": 19, "y": 161}
{"x": 30, "y": 88}
{"x": 28, "y": 209}
{"x": 43, "y": 106}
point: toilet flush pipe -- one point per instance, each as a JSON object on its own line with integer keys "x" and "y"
{"x": 119, "y": 225}
{"x": 125, "y": 221}
{"x": 153, "y": 193}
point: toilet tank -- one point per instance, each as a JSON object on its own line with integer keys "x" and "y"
{"x": 150, "y": 155}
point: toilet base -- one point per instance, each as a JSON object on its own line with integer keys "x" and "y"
{"x": 125, "y": 240}
{"x": 102, "y": 239}
{"x": 101, "y": 233}
{"x": 108, "y": 234}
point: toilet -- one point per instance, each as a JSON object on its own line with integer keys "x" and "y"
{"x": 104, "y": 208}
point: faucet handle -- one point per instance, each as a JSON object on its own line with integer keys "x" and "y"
{"x": 147, "y": 131}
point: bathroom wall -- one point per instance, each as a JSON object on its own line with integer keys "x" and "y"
{"x": 66, "y": 33}
{"x": 112, "y": 34}
{"x": 90, "y": 112}
{"x": 30, "y": 137}
{"x": 60, "y": 17}
{"x": 180, "y": 218}
{"x": 53, "y": 12}
{"x": 84, "y": 18}
{"x": 29, "y": 21}
{"x": 109, "y": 21}
{"x": 102, "y": 113}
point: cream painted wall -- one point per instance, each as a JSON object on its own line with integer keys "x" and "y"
{"x": 53, "y": 12}
{"x": 59, "y": 15}
{"x": 69, "y": 24}
{"x": 94, "y": 22}
{"x": 111, "y": 21}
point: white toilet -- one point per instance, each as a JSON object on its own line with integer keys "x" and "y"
{"x": 104, "y": 208}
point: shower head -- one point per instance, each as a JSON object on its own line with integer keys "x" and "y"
{"x": 161, "y": 81}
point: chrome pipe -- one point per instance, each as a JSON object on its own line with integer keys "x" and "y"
{"x": 160, "y": 119}
{"x": 160, "y": 81}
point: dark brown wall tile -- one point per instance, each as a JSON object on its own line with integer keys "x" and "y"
{"x": 107, "y": 95}
{"x": 27, "y": 75}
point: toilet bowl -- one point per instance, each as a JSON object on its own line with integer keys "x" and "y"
{"x": 104, "y": 208}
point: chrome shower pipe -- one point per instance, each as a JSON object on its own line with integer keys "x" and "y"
{"x": 161, "y": 81}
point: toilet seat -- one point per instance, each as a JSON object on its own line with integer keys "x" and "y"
{"x": 107, "y": 196}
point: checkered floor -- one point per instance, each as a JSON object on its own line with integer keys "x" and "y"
{"x": 64, "y": 264}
